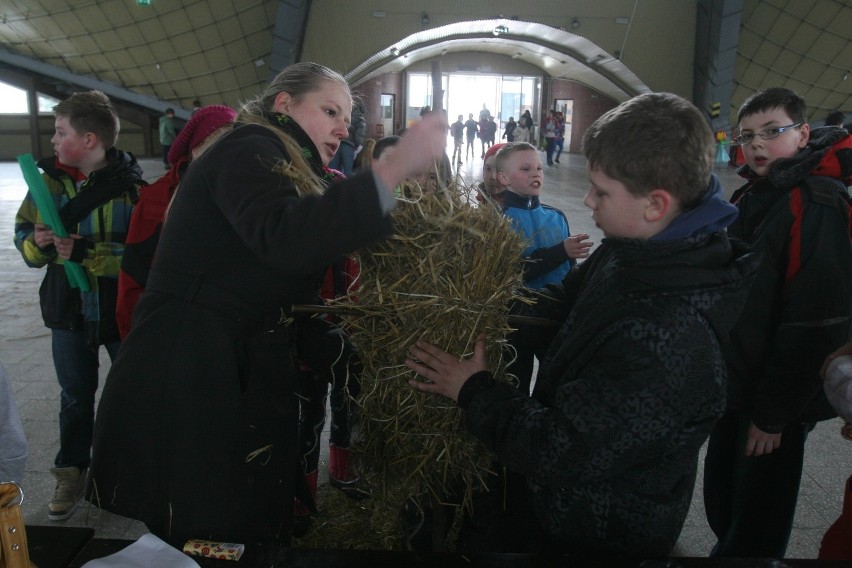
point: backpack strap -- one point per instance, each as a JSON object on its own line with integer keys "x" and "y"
{"x": 823, "y": 191}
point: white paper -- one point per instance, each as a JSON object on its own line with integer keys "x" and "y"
{"x": 147, "y": 552}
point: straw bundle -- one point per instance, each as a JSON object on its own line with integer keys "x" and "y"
{"x": 447, "y": 276}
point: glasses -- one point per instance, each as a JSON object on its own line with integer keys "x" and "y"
{"x": 767, "y": 134}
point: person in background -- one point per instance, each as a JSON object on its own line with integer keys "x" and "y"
{"x": 95, "y": 187}
{"x": 491, "y": 189}
{"x": 146, "y": 223}
{"x": 471, "y": 134}
{"x": 365, "y": 157}
{"x": 13, "y": 442}
{"x": 509, "y": 131}
{"x": 457, "y": 132}
{"x": 560, "y": 136}
{"x": 196, "y": 106}
{"x": 167, "y": 133}
{"x": 550, "y": 127}
{"x": 605, "y": 452}
{"x": 522, "y": 132}
{"x": 197, "y": 427}
{"x": 797, "y": 218}
{"x": 344, "y": 159}
{"x": 835, "y": 118}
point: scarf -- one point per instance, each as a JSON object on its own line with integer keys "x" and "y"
{"x": 290, "y": 127}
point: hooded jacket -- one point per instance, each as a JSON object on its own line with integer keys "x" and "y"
{"x": 98, "y": 208}
{"x": 628, "y": 391}
{"x": 799, "y": 309}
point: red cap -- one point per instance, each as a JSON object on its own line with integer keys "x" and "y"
{"x": 493, "y": 149}
{"x": 204, "y": 122}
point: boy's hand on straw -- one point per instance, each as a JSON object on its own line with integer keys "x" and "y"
{"x": 446, "y": 373}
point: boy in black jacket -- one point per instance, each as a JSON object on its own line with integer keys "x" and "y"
{"x": 796, "y": 217}
{"x": 634, "y": 378}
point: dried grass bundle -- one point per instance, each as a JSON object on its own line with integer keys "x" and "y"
{"x": 447, "y": 276}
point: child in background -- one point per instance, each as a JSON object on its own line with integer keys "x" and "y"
{"x": 205, "y": 126}
{"x": 490, "y": 189}
{"x": 95, "y": 185}
{"x": 552, "y": 250}
{"x": 634, "y": 378}
{"x": 365, "y": 157}
{"x": 796, "y": 217}
{"x": 457, "y": 130}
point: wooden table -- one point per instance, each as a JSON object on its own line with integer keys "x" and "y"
{"x": 69, "y": 547}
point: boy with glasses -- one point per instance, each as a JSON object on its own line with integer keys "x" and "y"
{"x": 797, "y": 218}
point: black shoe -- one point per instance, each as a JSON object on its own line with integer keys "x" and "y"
{"x": 556, "y": 160}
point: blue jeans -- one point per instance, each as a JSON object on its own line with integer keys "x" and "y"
{"x": 550, "y": 148}
{"x": 77, "y": 370}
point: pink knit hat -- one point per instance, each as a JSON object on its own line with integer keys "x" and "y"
{"x": 493, "y": 149}
{"x": 203, "y": 123}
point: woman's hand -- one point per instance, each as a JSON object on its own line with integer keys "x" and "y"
{"x": 417, "y": 150}
{"x": 446, "y": 373}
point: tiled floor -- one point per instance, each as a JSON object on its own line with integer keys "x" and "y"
{"x": 25, "y": 352}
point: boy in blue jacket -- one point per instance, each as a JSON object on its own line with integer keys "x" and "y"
{"x": 551, "y": 251}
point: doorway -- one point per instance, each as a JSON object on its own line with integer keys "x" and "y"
{"x": 503, "y": 95}
{"x": 385, "y": 125}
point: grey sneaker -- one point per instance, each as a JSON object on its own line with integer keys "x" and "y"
{"x": 69, "y": 489}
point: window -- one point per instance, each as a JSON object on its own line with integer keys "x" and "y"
{"x": 14, "y": 101}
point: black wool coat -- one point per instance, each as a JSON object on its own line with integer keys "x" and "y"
{"x": 196, "y": 433}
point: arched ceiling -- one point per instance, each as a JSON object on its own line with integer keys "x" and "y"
{"x": 556, "y": 52}
{"x": 221, "y": 50}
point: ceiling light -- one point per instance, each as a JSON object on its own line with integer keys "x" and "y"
{"x": 500, "y": 30}
{"x": 259, "y": 62}
{"x": 444, "y": 51}
{"x": 379, "y": 13}
{"x": 516, "y": 55}
{"x": 394, "y": 51}
{"x": 424, "y": 19}
{"x": 623, "y": 20}
{"x": 575, "y": 24}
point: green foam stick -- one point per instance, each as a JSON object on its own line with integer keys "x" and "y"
{"x": 50, "y": 216}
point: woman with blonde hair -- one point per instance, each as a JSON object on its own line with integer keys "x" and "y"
{"x": 196, "y": 433}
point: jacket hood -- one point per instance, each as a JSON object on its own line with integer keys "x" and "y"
{"x": 119, "y": 164}
{"x": 828, "y": 153}
{"x": 712, "y": 214}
